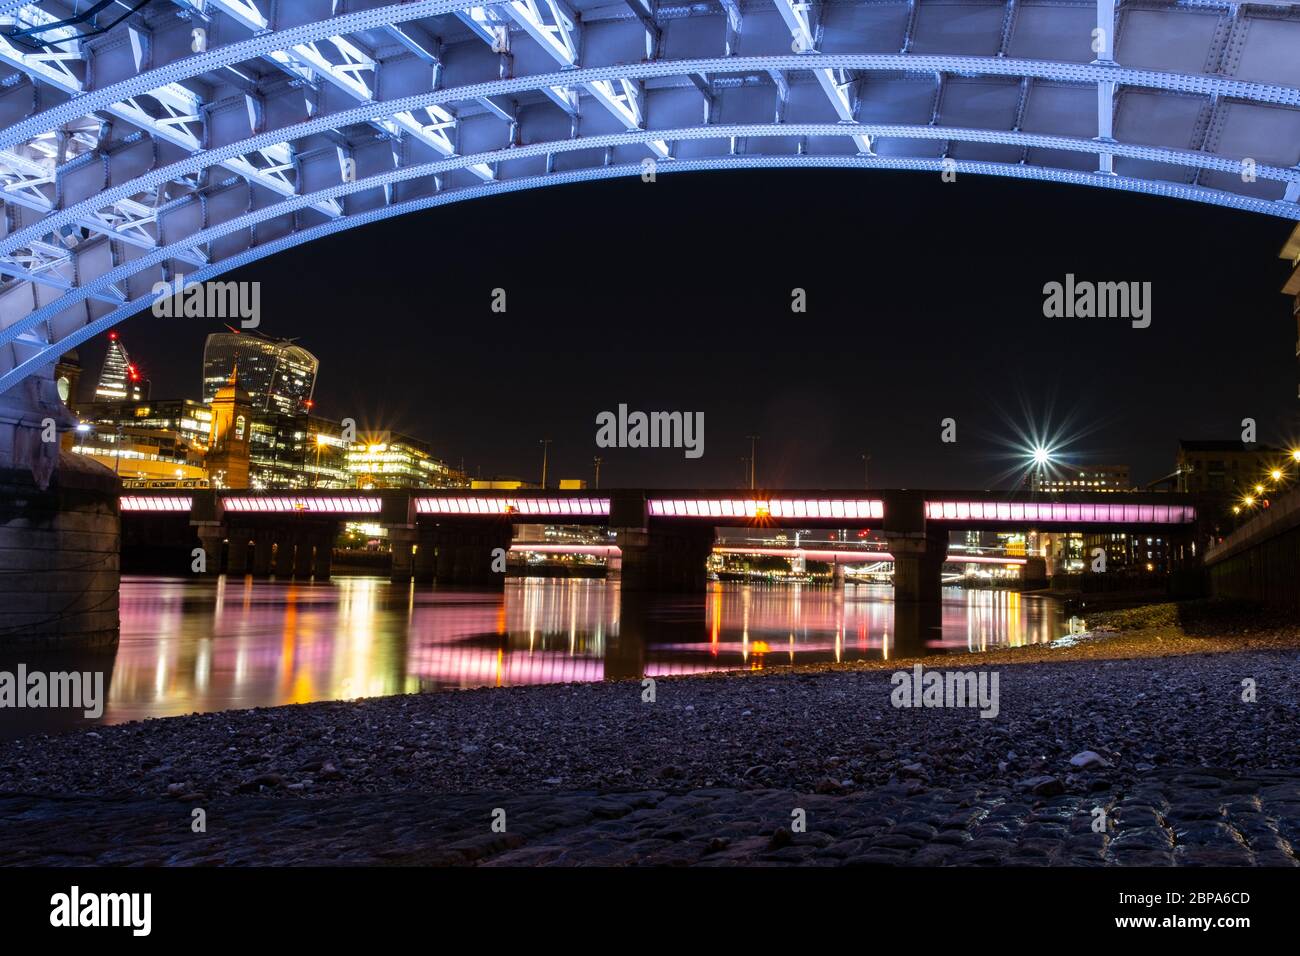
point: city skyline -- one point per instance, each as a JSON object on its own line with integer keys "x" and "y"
{"x": 1210, "y": 357}
{"x": 639, "y": 436}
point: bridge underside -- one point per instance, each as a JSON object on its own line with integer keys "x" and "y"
{"x": 188, "y": 138}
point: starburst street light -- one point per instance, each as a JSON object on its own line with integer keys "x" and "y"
{"x": 1039, "y": 447}
{"x": 1041, "y": 460}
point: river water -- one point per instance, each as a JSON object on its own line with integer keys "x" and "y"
{"x": 208, "y": 645}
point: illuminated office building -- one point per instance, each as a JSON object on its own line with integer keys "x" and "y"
{"x": 147, "y": 444}
{"x": 305, "y": 451}
{"x": 1087, "y": 478}
{"x": 388, "y": 460}
{"x": 119, "y": 379}
{"x": 189, "y": 421}
{"x": 298, "y": 451}
{"x": 1128, "y": 552}
{"x": 279, "y": 376}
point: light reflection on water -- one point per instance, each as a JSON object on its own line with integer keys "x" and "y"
{"x": 194, "y": 645}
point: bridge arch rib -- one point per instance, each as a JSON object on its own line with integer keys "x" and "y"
{"x": 196, "y": 136}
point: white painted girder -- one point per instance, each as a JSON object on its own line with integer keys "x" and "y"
{"x": 161, "y": 101}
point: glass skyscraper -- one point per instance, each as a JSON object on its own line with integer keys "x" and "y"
{"x": 119, "y": 379}
{"x": 278, "y": 375}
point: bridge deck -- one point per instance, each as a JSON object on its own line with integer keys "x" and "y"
{"x": 957, "y": 510}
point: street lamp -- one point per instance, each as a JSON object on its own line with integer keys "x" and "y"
{"x": 596, "y": 461}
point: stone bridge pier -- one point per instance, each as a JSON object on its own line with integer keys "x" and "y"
{"x": 284, "y": 546}
{"x": 59, "y": 528}
{"x": 303, "y": 551}
{"x": 919, "y": 552}
{"x": 462, "y": 552}
{"x": 656, "y": 555}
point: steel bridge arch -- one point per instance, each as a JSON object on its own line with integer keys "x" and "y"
{"x": 142, "y": 153}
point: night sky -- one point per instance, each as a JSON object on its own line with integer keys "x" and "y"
{"x": 924, "y": 302}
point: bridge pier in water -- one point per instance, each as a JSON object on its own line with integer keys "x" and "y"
{"x": 468, "y": 552}
{"x": 664, "y": 561}
{"x": 451, "y": 552}
{"x": 656, "y": 555}
{"x": 266, "y": 551}
{"x": 919, "y": 549}
{"x": 237, "y": 552}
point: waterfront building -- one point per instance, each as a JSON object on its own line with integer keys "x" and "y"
{"x": 1087, "y": 478}
{"x": 1227, "y": 469}
{"x": 147, "y": 444}
{"x": 185, "y": 423}
{"x": 279, "y": 376}
{"x": 298, "y": 451}
{"x": 389, "y": 460}
{"x": 1128, "y": 552}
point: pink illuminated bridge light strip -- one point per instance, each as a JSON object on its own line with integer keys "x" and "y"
{"x": 847, "y": 508}
{"x": 286, "y": 504}
{"x": 1118, "y": 513}
{"x": 842, "y": 556}
{"x": 467, "y": 505}
{"x": 155, "y": 503}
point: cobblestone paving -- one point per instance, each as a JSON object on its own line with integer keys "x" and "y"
{"x": 1191, "y": 817}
